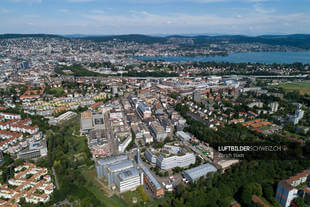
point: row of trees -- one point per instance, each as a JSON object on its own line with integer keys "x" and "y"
{"x": 67, "y": 153}
{"x": 239, "y": 183}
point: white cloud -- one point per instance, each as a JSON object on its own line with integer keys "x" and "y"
{"x": 260, "y": 9}
{"x": 253, "y": 23}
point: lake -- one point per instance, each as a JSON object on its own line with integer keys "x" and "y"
{"x": 253, "y": 57}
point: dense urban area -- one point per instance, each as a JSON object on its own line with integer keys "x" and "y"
{"x": 87, "y": 122}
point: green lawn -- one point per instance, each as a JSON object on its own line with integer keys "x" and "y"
{"x": 302, "y": 87}
{"x": 139, "y": 194}
{"x": 293, "y": 135}
{"x": 97, "y": 190}
{"x": 57, "y": 92}
{"x": 128, "y": 196}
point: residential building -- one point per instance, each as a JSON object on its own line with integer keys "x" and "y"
{"x": 286, "y": 194}
{"x": 35, "y": 150}
{"x": 35, "y": 188}
{"x": 287, "y": 189}
{"x": 63, "y": 117}
{"x": 274, "y": 106}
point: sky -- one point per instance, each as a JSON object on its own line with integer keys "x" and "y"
{"x": 107, "y": 17}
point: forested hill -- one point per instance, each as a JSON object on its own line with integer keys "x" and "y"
{"x": 11, "y": 36}
{"x": 129, "y": 38}
{"x": 301, "y": 41}
{"x": 296, "y": 40}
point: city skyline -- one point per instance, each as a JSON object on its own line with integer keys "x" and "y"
{"x": 95, "y": 17}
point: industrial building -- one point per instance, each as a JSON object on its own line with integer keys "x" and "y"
{"x": 193, "y": 174}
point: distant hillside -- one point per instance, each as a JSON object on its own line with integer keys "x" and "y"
{"x": 301, "y": 41}
{"x": 129, "y": 38}
{"x": 11, "y": 36}
{"x": 296, "y": 40}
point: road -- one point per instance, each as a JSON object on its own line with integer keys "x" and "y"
{"x": 62, "y": 203}
{"x": 107, "y": 190}
{"x": 194, "y": 149}
{"x": 110, "y": 135}
{"x": 55, "y": 176}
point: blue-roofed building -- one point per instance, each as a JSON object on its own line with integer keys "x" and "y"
{"x": 195, "y": 173}
{"x": 104, "y": 162}
{"x": 120, "y": 171}
{"x": 116, "y": 167}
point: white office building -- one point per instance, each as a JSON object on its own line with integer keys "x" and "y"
{"x": 128, "y": 179}
{"x": 122, "y": 146}
{"x": 166, "y": 163}
{"x": 170, "y": 156}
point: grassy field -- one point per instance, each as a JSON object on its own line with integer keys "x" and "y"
{"x": 302, "y": 87}
{"x": 293, "y": 135}
{"x": 98, "y": 191}
{"x": 139, "y": 194}
{"x": 128, "y": 196}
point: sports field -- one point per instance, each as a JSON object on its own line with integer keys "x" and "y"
{"x": 302, "y": 87}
